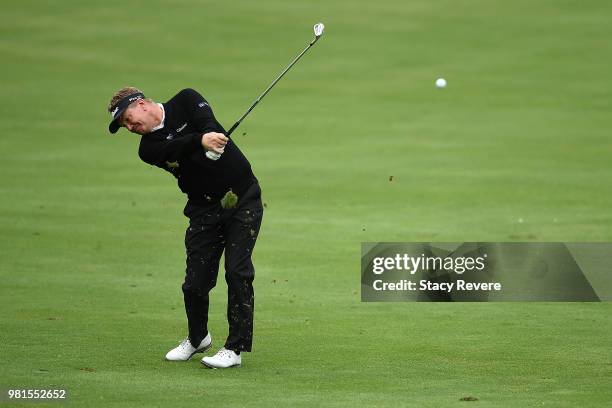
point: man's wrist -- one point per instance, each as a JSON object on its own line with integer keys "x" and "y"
{"x": 202, "y": 142}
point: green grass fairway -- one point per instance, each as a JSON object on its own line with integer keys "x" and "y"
{"x": 92, "y": 253}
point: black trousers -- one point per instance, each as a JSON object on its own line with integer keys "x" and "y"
{"x": 211, "y": 231}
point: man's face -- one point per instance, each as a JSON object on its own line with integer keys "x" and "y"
{"x": 138, "y": 118}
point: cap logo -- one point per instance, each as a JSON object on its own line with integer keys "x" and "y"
{"x": 117, "y": 110}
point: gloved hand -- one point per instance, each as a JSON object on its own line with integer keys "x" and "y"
{"x": 214, "y": 143}
{"x": 213, "y": 155}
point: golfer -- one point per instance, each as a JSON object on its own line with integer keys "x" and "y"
{"x": 175, "y": 137}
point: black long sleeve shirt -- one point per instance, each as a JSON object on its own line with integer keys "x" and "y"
{"x": 177, "y": 149}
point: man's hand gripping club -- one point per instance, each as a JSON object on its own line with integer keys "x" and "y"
{"x": 214, "y": 143}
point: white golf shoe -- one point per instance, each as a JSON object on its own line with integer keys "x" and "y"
{"x": 185, "y": 350}
{"x": 223, "y": 359}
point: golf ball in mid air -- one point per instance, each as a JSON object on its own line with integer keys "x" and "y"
{"x": 441, "y": 83}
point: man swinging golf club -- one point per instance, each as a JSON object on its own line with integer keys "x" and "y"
{"x": 175, "y": 136}
{"x": 224, "y": 207}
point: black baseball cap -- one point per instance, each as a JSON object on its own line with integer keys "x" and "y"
{"x": 117, "y": 110}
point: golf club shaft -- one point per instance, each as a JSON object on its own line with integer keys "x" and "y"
{"x": 271, "y": 85}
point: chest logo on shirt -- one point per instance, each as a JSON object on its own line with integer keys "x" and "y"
{"x": 170, "y": 137}
{"x": 182, "y": 127}
{"x": 202, "y": 104}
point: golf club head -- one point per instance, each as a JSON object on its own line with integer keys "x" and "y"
{"x": 318, "y": 29}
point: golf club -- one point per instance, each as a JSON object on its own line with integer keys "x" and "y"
{"x": 318, "y": 32}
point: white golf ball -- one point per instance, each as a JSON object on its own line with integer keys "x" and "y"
{"x": 441, "y": 82}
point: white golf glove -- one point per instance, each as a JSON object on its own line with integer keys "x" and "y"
{"x": 214, "y": 155}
